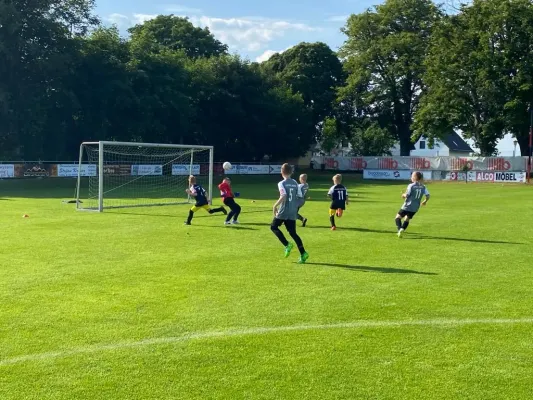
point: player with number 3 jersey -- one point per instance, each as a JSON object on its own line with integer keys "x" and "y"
{"x": 413, "y": 200}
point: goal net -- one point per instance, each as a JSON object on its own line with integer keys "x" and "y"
{"x": 121, "y": 174}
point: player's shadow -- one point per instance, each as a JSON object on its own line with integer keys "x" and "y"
{"x": 239, "y": 227}
{"x": 382, "y": 270}
{"x": 416, "y": 236}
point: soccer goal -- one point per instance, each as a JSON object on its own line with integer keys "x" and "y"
{"x": 123, "y": 174}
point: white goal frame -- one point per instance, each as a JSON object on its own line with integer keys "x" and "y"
{"x": 101, "y": 175}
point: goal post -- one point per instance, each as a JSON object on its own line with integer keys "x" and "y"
{"x": 130, "y": 174}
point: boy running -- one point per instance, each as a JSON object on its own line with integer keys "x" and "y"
{"x": 339, "y": 200}
{"x": 304, "y": 188}
{"x": 286, "y": 213}
{"x": 229, "y": 200}
{"x": 413, "y": 197}
{"x": 198, "y": 192}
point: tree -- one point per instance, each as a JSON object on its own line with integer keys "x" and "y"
{"x": 312, "y": 70}
{"x": 384, "y": 57}
{"x": 168, "y": 32}
{"x": 370, "y": 139}
{"x": 36, "y": 52}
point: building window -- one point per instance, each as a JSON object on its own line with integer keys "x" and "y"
{"x": 422, "y": 145}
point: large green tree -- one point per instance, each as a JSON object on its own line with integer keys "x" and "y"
{"x": 36, "y": 56}
{"x": 168, "y": 32}
{"x": 312, "y": 70}
{"x": 384, "y": 57}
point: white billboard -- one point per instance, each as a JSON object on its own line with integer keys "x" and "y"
{"x": 146, "y": 170}
{"x": 185, "y": 169}
{"x": 7, "y": 170}
{"x": 71, "y": 170}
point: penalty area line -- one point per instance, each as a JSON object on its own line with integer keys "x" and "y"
{"x": 98, "y": 348}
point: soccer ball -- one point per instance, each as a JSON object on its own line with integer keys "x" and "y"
{"x": 226, "y": 165}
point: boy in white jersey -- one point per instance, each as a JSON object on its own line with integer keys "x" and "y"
{"x": 304, "y": 187}
{"x": 413, "y": 200}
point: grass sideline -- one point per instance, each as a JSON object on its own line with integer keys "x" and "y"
{"x": 131, "y": 304}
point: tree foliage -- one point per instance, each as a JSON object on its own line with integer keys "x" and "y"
{"x": 384, "y": 57}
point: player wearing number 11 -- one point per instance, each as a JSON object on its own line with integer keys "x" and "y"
{"x": 413, "y": 199}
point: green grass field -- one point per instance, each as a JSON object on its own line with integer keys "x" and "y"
{"x": 131, "y": 304}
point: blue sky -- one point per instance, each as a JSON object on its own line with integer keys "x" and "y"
{"x": 253, "y": 29}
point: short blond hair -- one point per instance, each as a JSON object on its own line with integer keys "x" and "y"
{"x": 337, "y": 178}
{"x": 192, "y": 179}
{"x": 303, "y": 177}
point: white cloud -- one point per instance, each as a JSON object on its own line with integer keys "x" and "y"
{"x": 177, "y": 8}
{"x": 119, "y": 20}
{"x": 142, "y": 18}
{"x": 338, "y": 18}
{"x": 242, "y": 34}
{"x": 249, "y": 33}
{"x": 267, "y": 54}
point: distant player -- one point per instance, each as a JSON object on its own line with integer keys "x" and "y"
{"x": 229, "y": 200}
{"x": 286, "y": 213}
{"x": 339, "y": 200}
{"x": 198, "y": 192}
{"x": 413, "y": 199}
{"x": 304, "y": 188}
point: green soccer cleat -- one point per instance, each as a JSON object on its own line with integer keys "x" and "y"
{"x": 288, "y": 250}
{"x": 303, "y": 258}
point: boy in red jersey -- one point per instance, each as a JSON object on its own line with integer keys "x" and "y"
{"x": 229, "y": 200}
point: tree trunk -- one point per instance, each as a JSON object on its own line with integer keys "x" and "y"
{"x": 523, "y": 143}
{"x": 404, "y": 134}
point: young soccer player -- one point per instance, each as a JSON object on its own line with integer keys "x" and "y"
{"x": 229, "y": 200}
{"x": 286, "y": 213}
{"x": 413, "y": 200}
{"x": 198, "y": 192}
{"x": 304, "y": 188}
{"x": 339, "y": 199}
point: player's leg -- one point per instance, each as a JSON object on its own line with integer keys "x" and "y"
{"x": 302, "y": 218}
{"x": 274, "y": 227}
{"x": 332, "y": 218}
{"x": 191, "y": 214}
{"x": 237, "y": 209}
{"x": 291, "y": 228}
{"x": 217, "y": 210}
{"x": 229, "y": 203}
{"x": 406, "y": 220}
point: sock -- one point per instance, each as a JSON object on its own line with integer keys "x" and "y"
{"x": 189, "y": 218}
{"x": 279, "y": 234}
{"x": 215, "y": 210}
{"x": 405, "y": 225}
{"x": 300, "y": 218}
{"x": 301, "y": 249}
{"x": 332, "y": 220}
{"x": 398, "y": 223}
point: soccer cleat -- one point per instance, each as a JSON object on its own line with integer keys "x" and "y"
{"x": 303, "y": 258}
{"x": 333, "y": 228}
{"x": 186, "y": 223}
{"x": 304, "y": 222}
{"x": 400, "y": 233}
{"x": 227, "y": 223}
{"x": 288, "y": 250}
{"x": 235, "y": 222}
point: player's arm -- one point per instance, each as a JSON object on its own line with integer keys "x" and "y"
{"x": 282, "y": 198}
{"x": 191, "y": 192}
{"x": 347, "y": 197}
{"x": 407, "y": 192}
{"x": 426, "y": 193}
{"x": 330, "y": 192}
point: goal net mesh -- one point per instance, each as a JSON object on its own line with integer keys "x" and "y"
{"x": 137, "y": 175}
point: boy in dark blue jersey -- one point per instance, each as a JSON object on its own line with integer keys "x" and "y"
{"x": 198, "y": 192}
{"x": 339, "y": 199}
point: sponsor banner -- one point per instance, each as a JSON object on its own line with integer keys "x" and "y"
{"x": 145, "y": 170}
{"x": 117, "y": 169}
{"x": 457, "y": 176}
{"x": 32, "y": 170}
{"x": 248, "y": 169}
{"x": 513, "y": 164}
{"x": 185, "y": 169}
{"x": 71, "y": 170}
{"x": 7, "y": 171}
{"x": 396, "y": 175}
{"x": 501, "y": 177}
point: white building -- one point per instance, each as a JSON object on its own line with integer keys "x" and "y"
{"x": 451, "y": 146}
